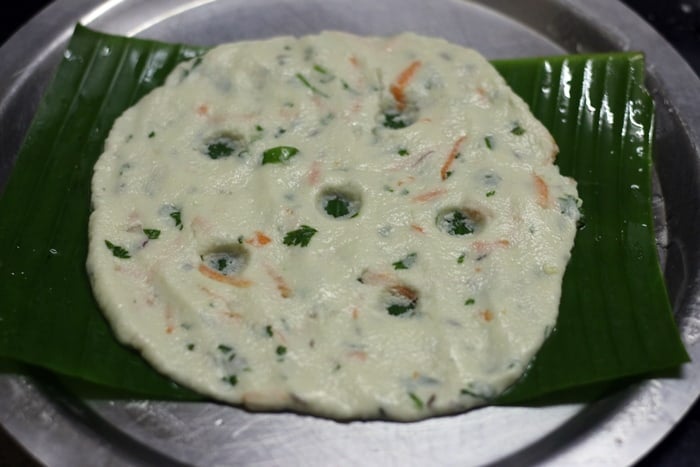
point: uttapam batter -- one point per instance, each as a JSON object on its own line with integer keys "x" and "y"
{"x": 343, "y": 226}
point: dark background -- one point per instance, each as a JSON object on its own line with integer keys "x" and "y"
{"x": 677, "y": 20}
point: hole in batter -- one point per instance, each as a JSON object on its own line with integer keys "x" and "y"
{"x": 400, "y": 300}
{"x": 224, "y": 144}
{"x": 459, "y": 221}
{"x": 340, "y": 202}
{"x": 229, "y": 260}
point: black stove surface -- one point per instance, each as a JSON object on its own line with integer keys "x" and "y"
{"x": 678, "y": 21}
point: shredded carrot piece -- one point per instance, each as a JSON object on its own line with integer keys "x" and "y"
{"x": 429, "y": 195}
{"x": 230, "y": 280}
{"x": 417, "y": 228}
{"x": 542, "y": 191}
{"x": 280, "y": 336}
{"x": 202, "y": 110}
{"x": 404, "y": 291}
{"x": 169, "y": 320}
{"x": 211, "y": 293}
{"x": 284, "y": 289}
{"x": 355, "y": 313}
{"x": 487, "y": 247}
{"x": 314, "y": 173}
{"x": 398, "y": 88}
{"x": 358, "y": 355}
{"x": 407, "y": 74}
{"x": 233, "y": 315}
{"x": 487, "y": 315}
{"x": 376, "y": 278}
{"x": 353, "y": 61}
{"x": 260, "y": 239}
{"x": 451, "y": 157}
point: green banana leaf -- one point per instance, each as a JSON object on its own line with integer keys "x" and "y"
{"x": 615, "y": 320}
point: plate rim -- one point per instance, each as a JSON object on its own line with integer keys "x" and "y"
{"x": 50, "y": 30}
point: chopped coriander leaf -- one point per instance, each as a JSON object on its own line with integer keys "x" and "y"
{"x": 232, "y": 380}
{"x": 416, "y": 400}
{"x": 152, "y": 234}
{"x": 490, "y": 193}
{"x": 258, "y": 128}
{"x": 398, "y": 310}
{"x": 279, "y": 154}
{"x": 190, "y": 347}
{"x": 218, "y": 150}
{"x": 152, "y": 134}
{"x": 489, "y": 142}
{"x": 517, "y": 130}
{"x": 448, "y": 174}
{"x": 118, "y": 251}
{"x": 325, "y": 75}
{"x": 394, "y": 120}
{"x": 225, "y": 145}
{"x": 460, "y": 259}
{"x": 456, "y": 223}
{"x": 320, "y": 69}
{"x": 337, "y": 206}
{"x": 340, "y": 203}
{"x": 301, "y": 236}
{"x": 407, "y": 262}
{"x": 268, "y": 330}
{"x": 470, "y": 301}
{"x": 224, "y": 348}
{"x": 177, "y": 217}
{"x": 281, "y": 350}
{"x": 346, "y": 86}
{"x": 313, "y": 88}
{"x": 403, "y": 152}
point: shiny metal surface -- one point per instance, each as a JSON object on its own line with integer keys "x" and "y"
{"x": 62, "y": 429}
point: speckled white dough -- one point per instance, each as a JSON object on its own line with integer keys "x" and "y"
{"x": 432, "y": 299}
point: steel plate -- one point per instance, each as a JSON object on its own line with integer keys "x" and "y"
{"x": 59, "y": 428}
